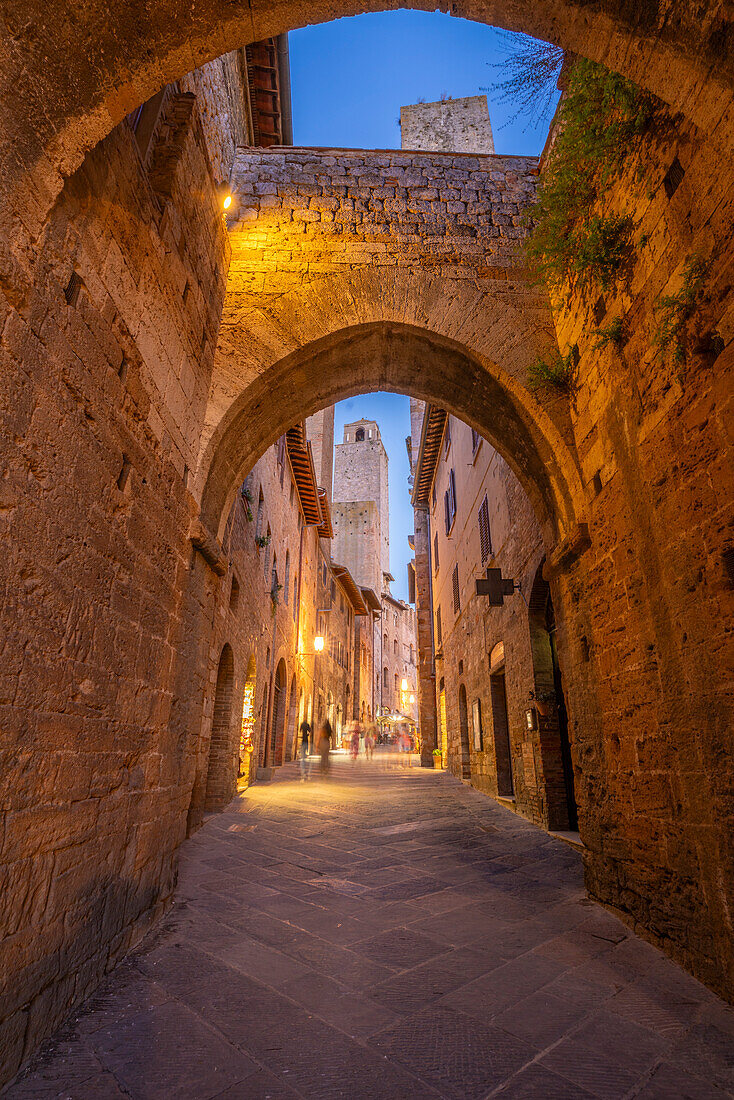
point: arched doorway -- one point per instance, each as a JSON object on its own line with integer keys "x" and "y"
{"x": 555, "y": 744}
{"x": 277, "y": 713}
{"x": 222, "y": 770}
{"x": 286, "y": 752}
{"x": 247, "y": 729}
{"x": 500, "y": 722}
{"x": 464, "y": 734}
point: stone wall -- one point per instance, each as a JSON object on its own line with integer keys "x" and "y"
{"x": 105, "y": 387}
{"x": 356, "y": 541}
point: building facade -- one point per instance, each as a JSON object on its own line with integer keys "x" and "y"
{"x": 499, "y": 690}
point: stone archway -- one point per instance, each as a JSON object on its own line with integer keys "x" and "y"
{"x": 123, "y": 56}
{"x": 220, "y": 776}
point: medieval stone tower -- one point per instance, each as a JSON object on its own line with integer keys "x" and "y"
{"x": 360, "y": 511}
{"x": 448, "y": 126}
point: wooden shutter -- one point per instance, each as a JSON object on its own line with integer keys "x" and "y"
{"x": 455, "y": 584}
{"x": 485, "y": 536}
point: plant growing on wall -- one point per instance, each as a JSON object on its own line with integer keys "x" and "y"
{"x": 674, "y": 312}
{"x": 556, "y": 372}
{"x": 598, "y": 122}
{"x": 246, "y": 495}
{"x": 613, "y": 333}
{"x": 262, "y": 541}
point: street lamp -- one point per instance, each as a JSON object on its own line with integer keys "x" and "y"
{"x": 412, "y": 700}
{"x": 404, "y": 685}
{"x": 318, "y": 643}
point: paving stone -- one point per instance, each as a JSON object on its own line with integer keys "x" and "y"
{"x": 537, "y": 1083}
{"x": 478, "y": 987}
{"x": 460, "y": 1056}
{"x": 170, "y": 1051}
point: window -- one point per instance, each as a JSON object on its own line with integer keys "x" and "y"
{"x": 323, "y": 574}
{"x": 455, "y": 587}
{"x": 281, "y": 458}
{"x": 396, "y": 685}
{"x": 359, "y": 435}
{"x": 384, "y": 641}
{"x": 295, "y": 598}
{"x": 234, "y": 594}
{"x": 435, "y": 552}
{"x": 433, "y": 493}
{"x": 449, "y": 501}
{"x": 395, "y": 616}
{"x": 293, "y": 487}
{"x": 411, "y": 654}
{"x": 287, "y": 576}
{"x": 274, "y": 576}
{"x": 447, "y": 435}
{"x": 476, "y": 439}
{"x": 395, "y": 646}
{"x": 485, "y": 535}
{"x": 385, "y": 677}
{"x": 439, "y": 632}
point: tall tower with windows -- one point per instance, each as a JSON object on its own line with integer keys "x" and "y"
{"x": 360, "y": 512}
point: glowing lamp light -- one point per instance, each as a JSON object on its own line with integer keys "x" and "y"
{"x": 412, "y": 700}
{"x": 227, "y": 202}
{"x": 318, "y": 643}
{"x": 404, "y": 685}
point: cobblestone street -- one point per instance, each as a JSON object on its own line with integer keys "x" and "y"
{"x": 387, "y": 932}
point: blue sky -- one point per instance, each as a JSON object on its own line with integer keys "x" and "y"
{"x": 349, "y": 80}
{"x": 351, "y": 77}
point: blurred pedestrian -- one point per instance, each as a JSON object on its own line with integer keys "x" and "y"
{"x": 305, "y": 729}
{"x": 354, "y": 739}
{"x": 369, "y": 742}
{"x": 325, "y": 737}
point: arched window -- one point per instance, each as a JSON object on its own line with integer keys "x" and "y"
{"x": 384, "y": 641}
{"x": 385, "y": 677}
{"x": 359, "y": 435}
{"x": 287, "y": 575}
{"x": 260, "y": 515}
{"x": 295, "y": 596}
{"x": 411, "y": 654}
{"x": 396, "y": 684}
{"x": 266, "y": 556}
{"x": 395, "y": 646}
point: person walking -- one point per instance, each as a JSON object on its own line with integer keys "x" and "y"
{"x": 369, "y": 742}
{"x": 354, "y": 740}
{"x": 305, "y": 729}
{"x": 325, "y": 737}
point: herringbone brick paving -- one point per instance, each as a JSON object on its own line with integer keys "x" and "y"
{"x": 387, "y": 933}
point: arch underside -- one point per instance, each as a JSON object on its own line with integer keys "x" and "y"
{"x": 386, "y": 355}
{"x": 90, "y": 69}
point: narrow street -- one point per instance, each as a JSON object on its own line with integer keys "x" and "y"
{"x": 387, "y": 932}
